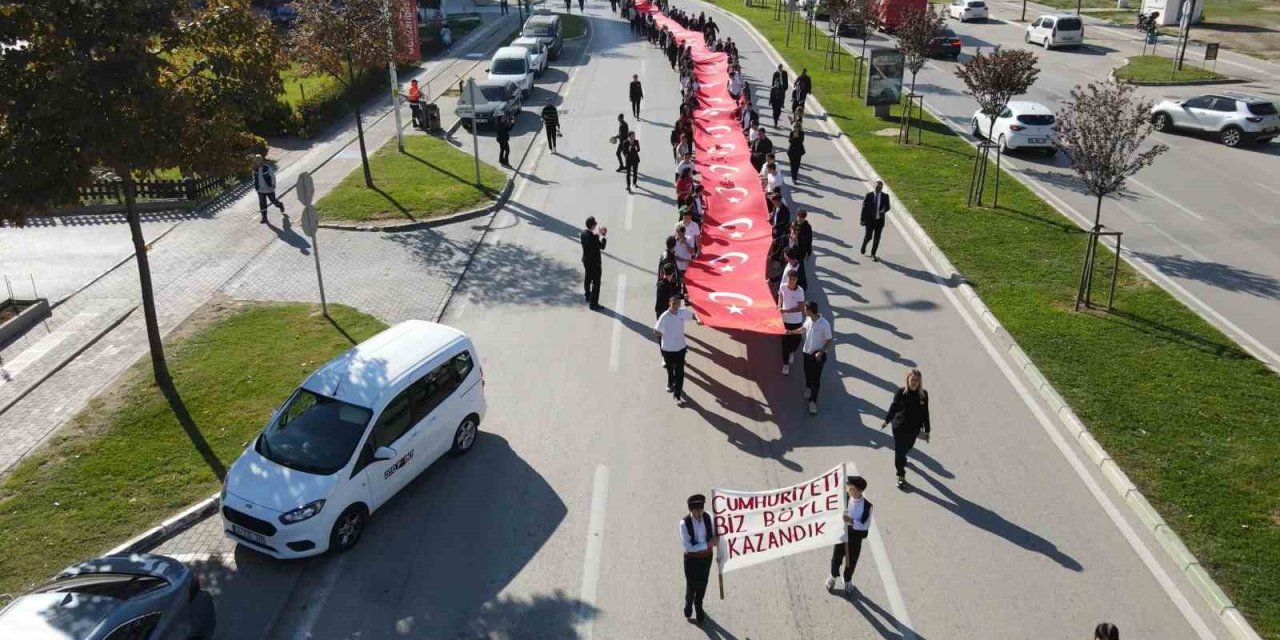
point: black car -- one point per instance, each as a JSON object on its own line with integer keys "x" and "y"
{"x": 853, "y": 29}
{"x": 945, "y": 44}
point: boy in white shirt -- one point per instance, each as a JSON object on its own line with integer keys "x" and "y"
{"x": 791, "y": 304}
{"x": 669, "y": 330}
{"x": 818, "y": 340}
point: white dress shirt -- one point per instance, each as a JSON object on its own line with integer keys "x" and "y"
{"x": 789, "y": 298}
{"x": 699, "y": 533}
{"x": 684, "y": 253}
{"x": 683, "y": 164}
{"x": 691, "y": 232}
{"x": 773, "y": 179}
{"x": 855, "y": 509}
{"x": 671, "y": 326}
{"x": 816, "y": 334}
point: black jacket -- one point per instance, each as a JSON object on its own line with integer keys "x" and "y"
{"x": 777, "y": 97}
{"x": 795, "y": 145}
{"x": 780, "y": 80}
{"x": 762, "y": 147}
{"x": 631, "y": 151}
{"x": 623, "y": 130}
{"x": 666, "y": 289}
{"x": 592, "y": 245}
{"x": 551, "y": 117}
{"x": 909, "y": 413}
{"x": 503, "y": 133}
{"x": 869, "y": 209}
{"x": 780, "y": 218}
{"x": 804, "y": 238}
{"x": 637, "y": 92}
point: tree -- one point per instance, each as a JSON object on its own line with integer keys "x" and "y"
{"x": 344, "y": 40}
{"x": 137, "y": 86}
{"x": 867, "y": 14}
{"x": 919, "y": 27}
{"x": 993, "y": 80}
{"x": 1101, "y": 129}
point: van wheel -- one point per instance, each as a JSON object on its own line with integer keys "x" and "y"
{"x": 1232, "y": 136}
{"x": 977, "y": 133}
{"x": 1004, "y": 147}
{"x": 1162, "y": 122}
{"x": 465, "y": 437}
{"x": 348, "y": 528}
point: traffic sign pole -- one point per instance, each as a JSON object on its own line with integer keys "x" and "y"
{"x": 310, "y": 225}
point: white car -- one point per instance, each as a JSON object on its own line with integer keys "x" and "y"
{"x": 966, "y": 10}
{"x": 1055, "y": 31}
{"x": 512, "y": 64}
{"x": 537, "y": 53}
{"x": 351, "y": 436}
{"x": 1022, "y": 125}
{"x": 1236, "y": 118}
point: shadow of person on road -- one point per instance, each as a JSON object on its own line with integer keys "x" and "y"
{"x": 290, "y": 237}
{"x": 991, "y": 522}
{"x": 714, "y": 631}
{"x": 886, "y": 625}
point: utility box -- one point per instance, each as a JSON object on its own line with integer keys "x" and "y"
{"x": 431, "y": 117}
{"x": 1171, "y": 10}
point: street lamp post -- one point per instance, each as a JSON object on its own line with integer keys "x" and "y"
{"x": 391, "y": 68}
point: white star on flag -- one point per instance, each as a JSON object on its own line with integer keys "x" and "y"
{"x": 736, "y": 235}
{"x": 733, "y": 308}
{"x": 735, "y": 200}
{"x": 727, "y": 268}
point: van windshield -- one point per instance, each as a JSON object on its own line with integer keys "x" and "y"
{"x": 508, "y": 67}
{"x": 314, "y": 433}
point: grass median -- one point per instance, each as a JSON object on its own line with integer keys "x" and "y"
{"x": 430, "y": 179}
{"x": 1189, "y": 416}
{"x": 1159, "y": 70}
{"x": 134, "y": 457}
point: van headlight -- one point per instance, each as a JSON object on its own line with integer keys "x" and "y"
{"x": 305, "y": 512}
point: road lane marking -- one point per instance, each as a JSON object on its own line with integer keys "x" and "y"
{"x": 1168, "y": 200}
{"x": 315, "y": 603}
{"x": 591, "y": 559}
{"x": 615, "y": 346}
{"x": 1271, "y": 189}
{"x": 631, "y": 209}
{"x": 896, "y": 603}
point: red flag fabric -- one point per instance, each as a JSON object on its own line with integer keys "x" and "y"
{"x": 727, "y": 282}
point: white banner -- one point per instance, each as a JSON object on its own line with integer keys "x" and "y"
{"x": 756, "y": 527}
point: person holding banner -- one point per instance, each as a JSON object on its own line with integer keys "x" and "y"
{"x": 817, "y": 340}
{"x": 857, "y": 522}
{"x": 909, "y": 414}
{"x": 697, "y": 538}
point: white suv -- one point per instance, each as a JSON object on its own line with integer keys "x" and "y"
{"x": 351, "y": 437}
{"x": 1235, "y": 117}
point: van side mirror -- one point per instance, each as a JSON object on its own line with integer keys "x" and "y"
{"x": 384, "y": 453}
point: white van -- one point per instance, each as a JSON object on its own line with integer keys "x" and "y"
{"x": 1055, "y": 31}
{"x": 512, "y": 64}
{"x": 353, "y": 435}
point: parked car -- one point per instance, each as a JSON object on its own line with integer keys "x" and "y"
{"x": 1022, "y": 125}
{"x": 512, "y": 64}
{"x": 1055, "y": 31}
{"x": 966, "y": 10}
{"x": 852, "y": 29}
{"x": 351, "y": 437}
{"x": 120, "y": 597}
{"x": 493, "y": 99}
{"x": 547, "y": 28}
{"x": 537, "y": 53}
{"x": 945, "y": 44}
{"x": 1236, "y": 118}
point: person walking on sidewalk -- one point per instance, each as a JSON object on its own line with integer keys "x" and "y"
{"x": 791, "y": 304}
{"x": 874, "y": 207}
{"x": 593, "y": 242}
{"x": 415, "y": 104}
{"x": 568, "y": 6}
{"x": 669, "y": 330}
{"x": 505, "y": 8}
{"x": 637, "y": 94}
{"x": 503, "y": 136}
{"x": 780, "y": 79}
{"x": 264, "y": 181}
{"x": 909, "y": 415}
{"x": 668, "y": 285}
{"x": 631, "y": 154}
{"x": 582, "y": 6}
{"x": 698, "y": 539}
{"x": 620, "y": 141}
{"x": 800, "y": 91}
{"x": 795, "y": 151}
{"x": 857, "y": 524}
{"x": 551, "y": 118}
{"x": 777, "y": 98}
{"x": 761, "y": 147}
{"x": 817, "y": 341}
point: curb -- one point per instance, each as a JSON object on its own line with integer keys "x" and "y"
{"x": 434, "y": 222}
{"x": 1111, "y": 75}
{"x": 167, "y": 529}
{"x": 1188, "y": 565}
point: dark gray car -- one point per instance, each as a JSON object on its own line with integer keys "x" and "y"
{"x": 493, "y": 98}
{"x": 123, "y": 597}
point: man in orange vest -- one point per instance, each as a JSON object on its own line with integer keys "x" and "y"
{"x": 415, "y": 104}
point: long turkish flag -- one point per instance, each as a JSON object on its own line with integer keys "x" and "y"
{"x": 727, "y": 284}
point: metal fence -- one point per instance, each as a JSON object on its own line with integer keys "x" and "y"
{"x": 111, "y": 190}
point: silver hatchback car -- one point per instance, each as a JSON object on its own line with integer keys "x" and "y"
{"x": 1236, "y": 118}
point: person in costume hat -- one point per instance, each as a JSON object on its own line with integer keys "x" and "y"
{"x": 698, "y": 538}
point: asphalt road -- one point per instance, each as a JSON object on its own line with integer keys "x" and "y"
{"x": 561, "y": 523}
{"x": 1203, "y": 217}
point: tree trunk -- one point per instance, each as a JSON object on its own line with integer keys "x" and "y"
{"x": 158, "y": 364}
{"x": 355, "y": 106}
{"x": 1097, "y": 215}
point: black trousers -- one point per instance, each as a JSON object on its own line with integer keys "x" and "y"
{"x": 262, "y": 202}
{"x": 855, "y": 550}
{"x": 777, "y": 113}
{"x": 674, "y": 363}
{"x": 813, "y": 374}
{"x": 416, "y": 110}
{"x": 591, "y": 283}
{"x": 790, "y": 342}
{"x": 504, "y": 152}
{"x": 622, "y": 162}
{"x": 697, "y": 570}
{"x": 552, "y": 134}
{"x": 635, "y": 108}
{"x": 904, "y": 440}
{"x": 872, "y": 235}
{"x": 793, "y": 161}
{"x": 632, "y": 174}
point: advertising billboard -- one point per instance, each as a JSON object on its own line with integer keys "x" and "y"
{"x": 884, "y": 78}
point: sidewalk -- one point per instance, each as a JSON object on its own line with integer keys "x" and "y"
{"x": 98, "y": 332}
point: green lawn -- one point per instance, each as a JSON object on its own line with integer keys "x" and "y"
{"x": 127, "y": 461}
{"x": 431, "y": 178}
{"x": 1189, "y": 416}
{"x": 574, "y": 26}
{"x": 1160, "y": 69}
{"x": 296, "y": 85}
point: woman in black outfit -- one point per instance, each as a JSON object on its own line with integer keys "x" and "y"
{"x": 795, "y": 151}
{"x": 909, "y": 415}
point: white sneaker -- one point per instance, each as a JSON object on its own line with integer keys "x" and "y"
{"x": 786, "y": 369}
{"x": 831, "y": 583}
{"x": 813, "y": 408}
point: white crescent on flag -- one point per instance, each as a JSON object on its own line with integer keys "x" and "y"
{"x": 741, "y": 257}
{"x": 715, "y": 296}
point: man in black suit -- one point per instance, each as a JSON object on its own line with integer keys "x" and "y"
{"x": 779, "y": 215}
{"x": 804, "y": 235}
{"x": 780, "y": 79}
{"x": 592, "y": 244}
{"x": 623, "y": 130}
{"x": 762, "y": 147}
{"x": 874, "y": 207}
{"x": 636, "y": 93}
